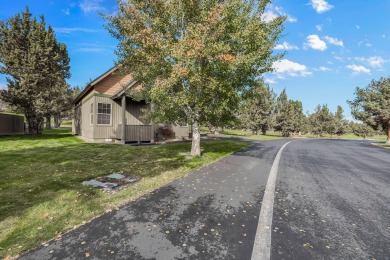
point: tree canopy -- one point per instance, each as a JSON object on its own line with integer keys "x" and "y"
{"x": 257, "y": 107}
{"x": 36, "y": 66}
{"x": 372, "y": 105}
{"x": 289, "y": 115}
{"x": 194, "y": 58}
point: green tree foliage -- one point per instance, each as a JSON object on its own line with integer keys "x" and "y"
{"x": 257, "y": 107}
{"x": 372, "y": 105}
{"x": 289, "y": 116}
{"x": 362, "y": 130}
{"x": 341, "y": 122}
{"x": 36, "y": 65}
{"x": 194, "y": 57}
{"x": 322, "y": 121}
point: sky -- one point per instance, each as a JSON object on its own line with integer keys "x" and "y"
{"x": 331, "y": 47}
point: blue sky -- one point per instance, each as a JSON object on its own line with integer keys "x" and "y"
{"x": 332, "y": 46}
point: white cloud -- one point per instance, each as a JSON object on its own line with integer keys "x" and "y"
{"x": 319, "y": 27}
{"x": 323, "y": 68}
{"x": 274, "y": 11}
{"x": 376, "y": 61}
{"x": 286, "y": 46}
{"x": 91, "y": 6}
{"x": 74, "y": 29}
{"x": 66, "y": 11}
{"x": 334, "y": 41}
{"x": 321, "y": 6}
{"x": 314, "y": 42}
{"x": 3, "y": 85}
{"x": 358, "y": 69}
{"x": 269, "y": 81}
{"x": 269, "y": 15}
{"x": 290, "y": 68}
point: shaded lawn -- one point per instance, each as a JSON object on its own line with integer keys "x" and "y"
{"x": 41, "y": 195}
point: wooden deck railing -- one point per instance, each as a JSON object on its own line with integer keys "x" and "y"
{"x": 136, "y": 133}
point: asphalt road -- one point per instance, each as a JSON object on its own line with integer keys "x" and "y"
{"x": 332, "y": 202}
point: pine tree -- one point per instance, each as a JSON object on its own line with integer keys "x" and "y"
{"x": 257, "y": 108}
{"x": 36, "y": 65}
{"x": 289, "y": 116}
{"x": 372, "y": 105}
{"x": 321, "y": 120}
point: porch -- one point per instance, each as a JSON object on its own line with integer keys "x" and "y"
{"x": 136, "y": 133}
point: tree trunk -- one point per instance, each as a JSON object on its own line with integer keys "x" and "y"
{"x": 222, "y": 129}
{"x": 195, "y": 148}
{"x": 48, "y": 125}
{"x": 388, "y": 133}
{"x": 57, "y": 120}
{"x": 210, "y": 129}
{"x": 264, "y": 130}
{"x": 35, "y": 124}
{"x": 216, "y": 131}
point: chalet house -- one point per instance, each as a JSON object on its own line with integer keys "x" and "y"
{"x": 103, "y": 113}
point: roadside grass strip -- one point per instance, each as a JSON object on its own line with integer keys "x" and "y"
{"x": 41, "y": 195}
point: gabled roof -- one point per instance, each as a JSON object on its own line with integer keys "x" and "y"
{"x": 122, "y": 91}
{"x": 93, "y": 83}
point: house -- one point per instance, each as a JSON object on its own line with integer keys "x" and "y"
{"x": 102, "y": 107}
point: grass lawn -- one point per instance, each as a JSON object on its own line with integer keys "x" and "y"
{"x": 384, "y": 145}
{"x": 350, "y": 136}
{"x": 41, "y": 195}
{"x": 247, "y": 134}
{"x": 276, "y": 135}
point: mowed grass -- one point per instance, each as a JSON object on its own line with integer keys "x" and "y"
{"x": 41, "y": 195}
{"x": 248, "y": 134}
{"x": 384, "y": 145}
{"x": 349, "y": 136}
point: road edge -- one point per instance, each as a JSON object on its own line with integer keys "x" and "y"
{"x": 262, "y": 244}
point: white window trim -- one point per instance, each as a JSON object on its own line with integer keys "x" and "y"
{"x": 97, "y": 114}
{"x": 91, "y": 117}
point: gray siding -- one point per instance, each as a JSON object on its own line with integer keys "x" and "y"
{"x": 11, "y": 124}
{"x": 137, "y": 129}
{"x": 107, "y": 131}
{"x": 86, "y": 127}
{"x": 180, "y": 131}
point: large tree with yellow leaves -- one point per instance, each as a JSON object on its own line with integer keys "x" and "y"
{"x": 194, "y": 57}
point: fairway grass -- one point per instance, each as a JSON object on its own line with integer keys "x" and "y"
{"x": 249, "y": 135}
{"x": 41, "y": 195}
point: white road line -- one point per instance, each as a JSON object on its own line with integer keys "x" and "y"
{"x": 262, "y": 246}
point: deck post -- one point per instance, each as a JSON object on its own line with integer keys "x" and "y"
{"x": 152, "y": 125}
{"x": 123, "y": 126}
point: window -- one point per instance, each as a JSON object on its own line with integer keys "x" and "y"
{"x": 91, "y": 115}
{"x": 104, "y": 114}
